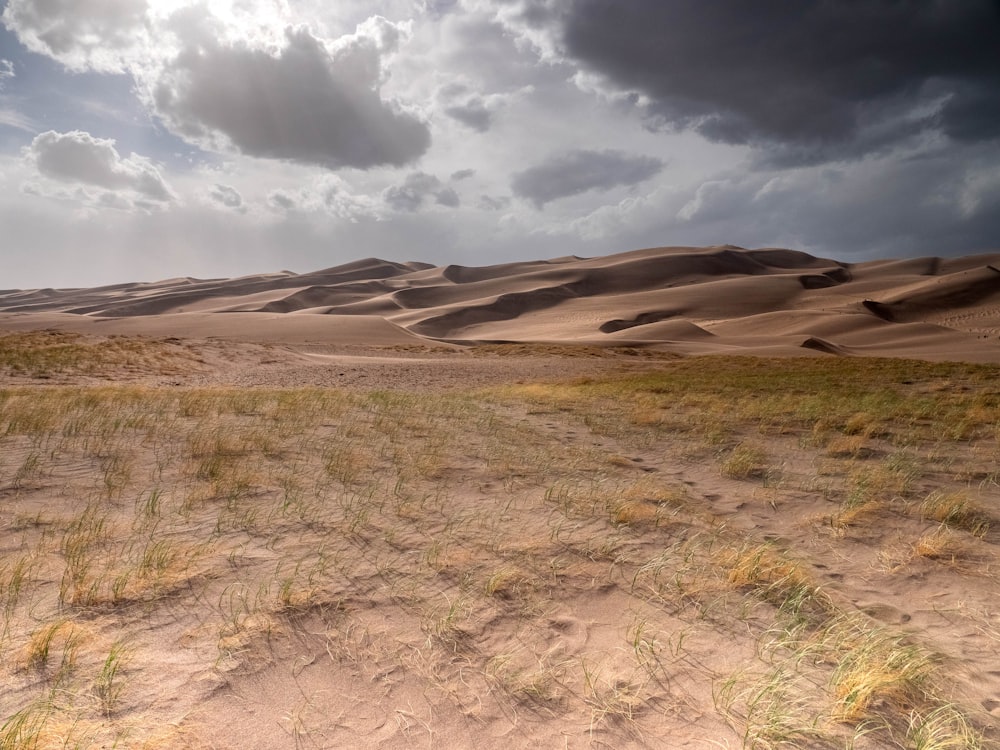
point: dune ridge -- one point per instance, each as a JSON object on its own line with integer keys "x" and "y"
{"x": 723, "y": 298}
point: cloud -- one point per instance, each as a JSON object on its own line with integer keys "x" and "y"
{"x": 327, "y": 196}
{"x": 14, "y": 119}
{"x": 809, "y": 82}
{"x": 447, "y": 197}
{"x": 494, "y": 203}
{"x": 931, "y": 204}
{"x": 974, "y": 116}
{"x": 438, "y": 8}
{"x": 452, "y": 134}
{"x": 470, "y": 109}
{"x": 282, "y": 201}
{"x": 78, "y": 158}
{"x": 6, "y": 71}
{"x": 472, "y": 113}
{"x": 416, "y": 190}
{"x": 310, "y": 101}
{"x": 227, "y": 196}
{"x": 225, "y": 79}
{"x": 581, "y": 171}
{"x": 81, "y": 34}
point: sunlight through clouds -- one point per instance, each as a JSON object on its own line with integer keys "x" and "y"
{"x": 238, "y": 76}
{"x": 577, "y": 126}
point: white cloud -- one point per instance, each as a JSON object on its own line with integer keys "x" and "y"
{"x": 83, "y": 162}
{"x": 328, "y": 196}
{"x": 237, "y": 76}
{"x": 713, "y": 198}
{"x": 310, "y": 101}
{"x": 530, "y": 22}
{"x": 6, "y": 71}
{"x": 14, "y": 119}
{"x": 81, "y": 34}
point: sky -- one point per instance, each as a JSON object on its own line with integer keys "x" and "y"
{"x": 151, "y": 139}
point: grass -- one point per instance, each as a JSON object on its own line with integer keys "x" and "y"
{"x": 26, "y": 729}
{"x": 943, "y": 728}
{"x": 44, "y": 354}
{"x": 956, "y": 511}
{"x": 535, "y": 684}
{"x": 745, "y": 461}
{"x": 775, "y": 577}
{"x": 878, "y": 671}
{"x": 574, "y": 552}
{"x": 110, "y": 680}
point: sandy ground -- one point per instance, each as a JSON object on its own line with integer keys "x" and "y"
{"x": 265, "y": 536}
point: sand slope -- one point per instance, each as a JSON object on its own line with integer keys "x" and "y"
{"x": 680, "y": 299}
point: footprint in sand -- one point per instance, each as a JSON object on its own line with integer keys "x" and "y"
{"x": 568, "y": 634}
{"x": 885, "y": 613}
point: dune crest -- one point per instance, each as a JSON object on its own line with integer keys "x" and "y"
{"x": 771, "y": 300}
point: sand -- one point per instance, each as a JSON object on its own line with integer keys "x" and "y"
{"x": 392, "y": 505}
{"x": 681, "y": 300}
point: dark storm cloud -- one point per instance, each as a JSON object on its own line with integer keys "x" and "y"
{"x": 973, "y": 117}
{"x": 811, "y": 81}
{"x": 581, "y": 171}
{"x": 305, "y": 104}
{"x": 933, "y": 204}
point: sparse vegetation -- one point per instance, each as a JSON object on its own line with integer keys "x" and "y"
{"x": 44, "y": 354}
{"x": 574, "y": 551}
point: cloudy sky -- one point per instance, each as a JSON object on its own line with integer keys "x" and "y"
{"x": 146, "y": 139}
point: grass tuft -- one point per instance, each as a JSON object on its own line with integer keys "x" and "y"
{"x": 745, "y": 461}
{"x": 956, "y": 511}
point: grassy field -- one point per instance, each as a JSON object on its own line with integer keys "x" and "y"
{"x": 731, "y": 552}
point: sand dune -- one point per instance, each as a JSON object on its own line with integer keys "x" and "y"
{"x": 724, "y": 298}
{"x": 390, "y": 505}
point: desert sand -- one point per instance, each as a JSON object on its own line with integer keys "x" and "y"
{"x": 532, "y": 505}
{"x": 682, "y": 300}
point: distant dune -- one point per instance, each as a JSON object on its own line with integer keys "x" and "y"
{"x": 677, "y": 299}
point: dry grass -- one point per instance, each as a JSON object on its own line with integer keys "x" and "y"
{"x": 745, "y": 462}
{"x": 574, "y": 556}
{"x": 44, "y": 354}
{"x": 956, "y": 511}
{"x": 940, "y": 544}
